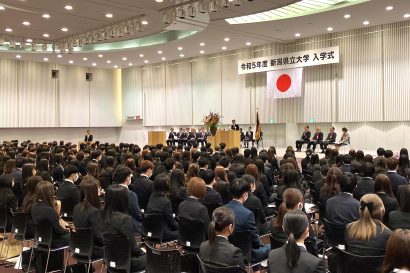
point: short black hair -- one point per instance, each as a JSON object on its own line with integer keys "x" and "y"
{"x": 161, "y": 184}
{"x": 249, "y": 179}
{"x": 202, "y": 162}
{"x": 356, "y": 167}
{"x": 239, "y": 187}
{"x": 70, "y": 169}
{"x": 120, "y": 174}
{"x": 347, "y": 159}
{"x": 238, "y": 169}
{"x": 381, "y": 151}
{"x": 367, "y": 169}
{"x": 96, "y": 153}
{"x": 110, "y": 161}
{"x": 388, "y": 154}
{"x": 348, "y": 182}
{"x": 208, "y": 176}
{"x": 169, "y": 163}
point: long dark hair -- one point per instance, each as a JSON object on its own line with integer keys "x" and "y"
{"x": 397, "y": 251}
{"x": 295, "y": 223}
{"x": 6, "y": 184}
{"x": 89, "y": 193}
{"x": 177, "y": 182}
{"x": 45, "y": 193}
{"x": 30, "y": 188}
{"x": 116, "y": 200}
{"x": 221, "y": 218}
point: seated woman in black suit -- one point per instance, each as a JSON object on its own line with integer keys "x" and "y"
{"x": 382, "y": 188}
{"x": 177, "y": 189}
{"x": 29, "y": 200}
{"x": 87, "y": 214}
{"x": 293, "y": 257}
{"x": 368, "y": 236}
{"x": 401, "y": 218}
{"x": 7, "y": 198}
{"x": 44, "y": 212}
{"x": 191, "y": 208}
{"x": 397, "y": 257}
{"x": 160, "y": 203}
{"x": 218, "y": 251}
{"x": 222, "y": 185}
{"x": 116, "y": 223}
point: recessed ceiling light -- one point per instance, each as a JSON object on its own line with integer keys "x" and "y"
{"x": 389, "y": 8}
{"x": 180, "y": 48}
{"x": 94, "y": 64}
{"x": 71, "y": 61}
{"x": 181, "y": 55}
{"x": 142, "y": 55}
{"x": 46, "y": 35}
{"x": 26, "y": 23}
{"x": 202, "y": 44}
{"x": 163, "y": 58}
{"x": 100, "y": 56}
{"x": 8, "y": 29}
{"x": 68, "y": 7}
{"x": 407, "y": 15}
{"x": 29, "y": 40}
{"x": 46, "y": 15}
{"x": 64, "y": 29}
{"x": 248, "y": 43}
{"x": 227, "y": 39}
{"x": 45, "y": 59}
{"x": 366, "y": 23}
{"x": 124, "y": 58}
{"x": 109, "y": 15}
{"x": 329, "y": 29}
{"x": 159, "y": 1}
{"x": 18, "y": 56}
{"x": 346, "y": 16}
{"x": 59, "y": 56}
{"x": 130, "y": 64}
{"x": 297, "y": 34}
{"x": 108, "y": 61}
{"x": 144, "y": 22}
{"x": 85, "y": 59}
{"x": 159, "y": 52}
{"x": 224, "y": 48}
{"x": 115, "y": 66}
{"x": 2, "y": 8}
{"x": 202, "y": 52}
{"x": 146, "y": 61}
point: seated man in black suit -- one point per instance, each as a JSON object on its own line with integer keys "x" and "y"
{"x": 88, "y": 137}
{"x": 192, "y": 137}
{"x": 248, "y": 137}
{"x": 305, "y": 138}
{"x": 211, "y": 195}
{"x": 396, "y": 180}
{"x": 144, "y": 186}
{"x": 201, "y": 137}
{"x": 343, "y": 208}
{"x": 68, "y": 191}
{"x": 182, "y": 136}
{"x": 365, "y": 184}
{"x": 317, "y": 139}
{"x": 234, "y": 126}
{"x": 171, "y": 137}
{"x": 331, "y": 138}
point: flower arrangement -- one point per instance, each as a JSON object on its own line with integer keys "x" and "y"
{"x": 211, "y": 122}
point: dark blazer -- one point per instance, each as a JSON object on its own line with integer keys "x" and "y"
{"x": 235, "y": 127}
{"x": 223, "y": 188}
{"x": 143, "y": 187}
{"x": 365, "y": 186}
{"x": 222, "y": 253}
{"x": 106, "y": 177}
{"x": 172, "y": 135}
{"x": 88, "y": 138}
{"x": 331, "y": 137}
{"x": 306, "y": 135}
{"x": 43, "y": 214}
{"x": 399, "y": 219}
{"x": 374, "y": 247}
{"x": 307, "y": 263}
{"x": 253, "y": 203}
{"x": 346, "y": 168}
{"x": 68, "y": 192}
{"x": 58, "y": 174}
{"x": 192, "y": 209}
{"x": 249, "y": 135}
{"x": 161, "y": 204}
{"x": 342, "y": 209}
{"x": 212, "y": 197}
{"x": 396, "y": 180}
{"x": 390, "y": 204}
{"x": 10, "y": 202}
{"x": 18, "y": 185}
{"x": 134, "y": 211}
{"x": 260, "y": 192}
{"x": 318, "y": 136}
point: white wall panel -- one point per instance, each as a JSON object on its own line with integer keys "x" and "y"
{"x": 154, "y": 96}
{"x": 105, "y": 98}
{"x": 37, "y": 95}
{"x": 9, "y": 94}
{"x": 132, "y": 93}
{"x": 206, "y": 88}
{"x": 179, "y": 94}
{"x": 74, "y": 96}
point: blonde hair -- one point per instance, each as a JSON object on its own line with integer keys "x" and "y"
{"x": 371, "y": 213}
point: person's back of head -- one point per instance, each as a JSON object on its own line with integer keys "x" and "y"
{"x": 367, "y": 169}
{"x": 69, "y": 170}
{"x": 381, "y": 151}
{"x": 291, "y": 179}
{"x": 324, "y": 169}
{"x": 249, "y": 179}
{"x": 115, "y": 200}
{"x": 96, "y": 154}
{"x": 392, "y": 163}
{"x": 239, "y": 187}
{"x": 347, "y": 159}
{"x": 169, "y": 163}
{"x": 224, "y": 162}
{"x": 331, "y": 186}
{"x": 195, "y": 156}
{"x": 388, "y": 154}
{"x": 110, "y": 161}
{"x": 356, "y": 167}
{"x": 238, "y": 169}
{"x": 222, "y": 223}
{"x": 382, "y": 184}
{"x": 203, "y": 162}
{"x": 347, "y": 182}
{"x": 247, "y": 153}
{"x": 222, "y": 145}
{"x": 405, "y": 198}
{"x": 196, "y": 188}
{"x": 161, "y": 184}
{"x": 208, "y": 176}
{"x": 397, "y": 253}
{"x": 121, "y": 174}
{"x": 89, "y": 193}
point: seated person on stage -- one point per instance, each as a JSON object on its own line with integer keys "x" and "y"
{"x": 245, "y": 220}
{"x": 304, "y": 139}
{"x": 368, "y": 236}
{"x": 201, "y": 137}
{"x": 182, "y": 136}
{"x": 242, "y": 135}
{"x": 191, "y": 137}
{"x": 317, "y": 139}
{"x": 234, "y": 126}
{"x": 293, "y": 257}
{"x": 331, "y": 138}
{"x": 88, "y": 137}
{"x": 248, "y": 137}
{"x": 344, "y": 140}
{"x": 218, "y": 251}
{"x": 171, "y": 137}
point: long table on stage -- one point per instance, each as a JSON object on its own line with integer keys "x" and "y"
{"x": 231, "y": 139}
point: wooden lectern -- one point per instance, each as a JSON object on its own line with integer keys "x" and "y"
{"x": 231, "y": 139}
{"x": 157, "y": 137}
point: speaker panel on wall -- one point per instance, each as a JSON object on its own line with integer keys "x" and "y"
{"x": 55, "y": 74}
{"x": 89, "y": 77}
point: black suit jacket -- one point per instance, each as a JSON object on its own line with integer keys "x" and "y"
{"x": 399, "y": 219}
{"x": 223, "y": 188}
{"x": 192, "y": 209}
{"x": 374, "y": 247}
{"x": 342, "y": 209}
{"x": 172, "y": 135}
{"x": 161, "y": 204}
{"x": 235, "y": 127}
{"x": 222, "y": 253}
{"x": 365, "y": 186}
{"x": 212, "y": 197}
{"x": 88, "y": 138}
{"x": 68, "y": 192}
{"x": 390, "y": 204}
{"x": 58, "y": 174}
{"x": 307, "y": 263}
{"x": 318, "y": 136}
{"x": 106, "y": 177}
{"x": 306, "y": 135}
{"x": 143, "y": 187}
{"x": 249, "y": 135}
{"x": 89, "y": 218}
{"x": 396, "y": 180}
{"x": 331, "y": 137}
{"x": 253, "y": 203}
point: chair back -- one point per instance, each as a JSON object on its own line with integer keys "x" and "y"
{"x": 19, "y": 226}
{"x": 117, "y": 254}
{"x": 208, "y": 268}
{"x": 152, "y": 226}
{"x": 191, "y": 233}
{"x": 243, "y": 241}
{"x": 163, "y": 260}
{"x": 81, "y": 242}
{"x": 67, "y": 208}
{"x": 275, "y": 243}
{"x": 334, "y": 233}
{"x": 211, "y": 208}
{"x": 351, "y": 263}
{"x": 3, "y": 217}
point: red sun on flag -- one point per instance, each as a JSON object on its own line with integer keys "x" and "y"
{"x": 283, "y": 83}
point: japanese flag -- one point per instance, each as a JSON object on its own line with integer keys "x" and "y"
{"x": 286, "y": 83}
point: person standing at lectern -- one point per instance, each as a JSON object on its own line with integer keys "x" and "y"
{"x": 88, "y": 137}
{"x": 304, "y": 139}
{"x": 234, "y": 126}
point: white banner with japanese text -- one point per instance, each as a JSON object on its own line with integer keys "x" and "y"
{"x": 313, "y": 57}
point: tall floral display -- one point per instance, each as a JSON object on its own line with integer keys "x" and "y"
{"x": 211, "y": 122}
